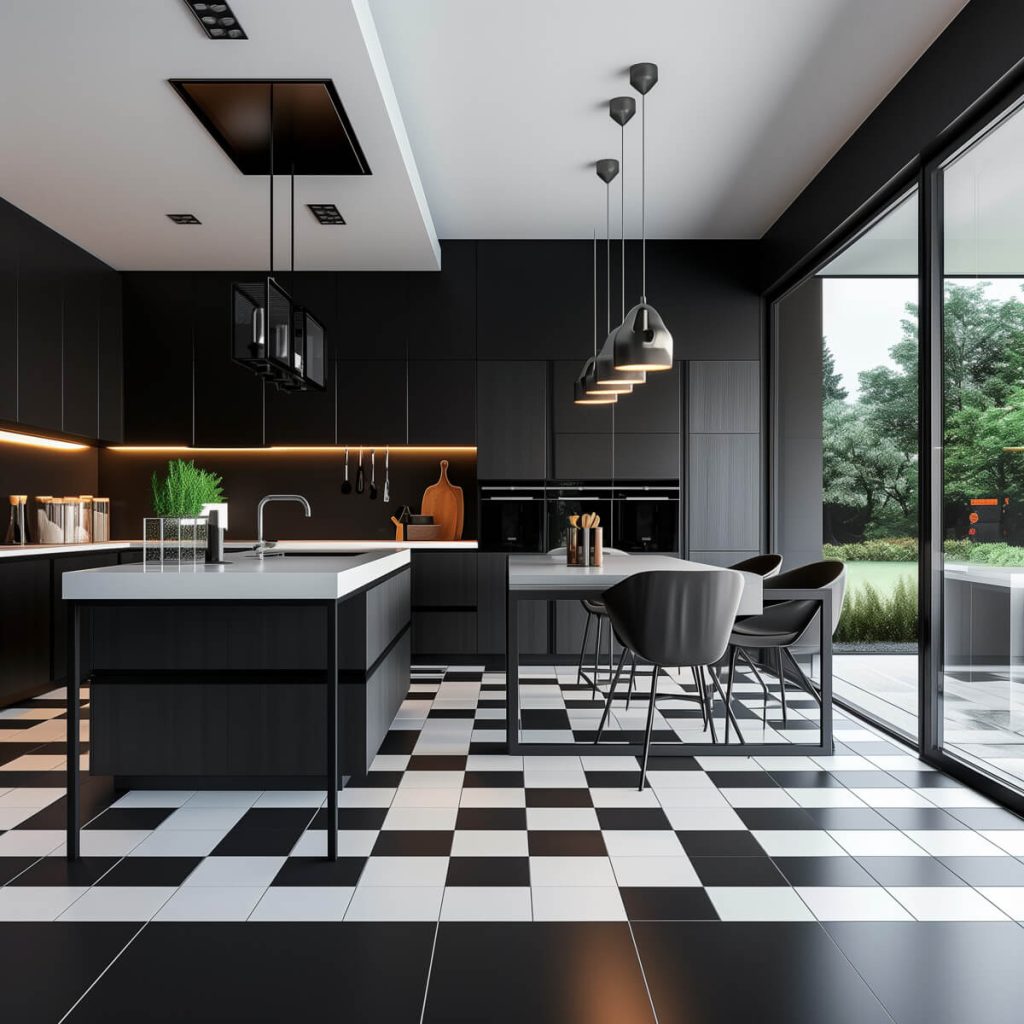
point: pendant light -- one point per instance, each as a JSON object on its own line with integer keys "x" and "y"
{"x": 620, "y": 109}
{"x": 642, "y": 341}
{"x": 580, "y": 393}
{"x": 607, "y": 171}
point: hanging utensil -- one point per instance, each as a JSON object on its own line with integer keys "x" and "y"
{"x": 346, "y": 486}
{"x": 373, "y": 474}
{"x": 387, "y": 475}
{"x": 360, "y": 479}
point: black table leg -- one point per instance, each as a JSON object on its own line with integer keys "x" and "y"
{"x": 512, "y": 736}
{"x": 332, "y": 731}
{"x": 74, "y": 716}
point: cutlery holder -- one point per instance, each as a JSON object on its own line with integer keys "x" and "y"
{"x": 584, "y": 546}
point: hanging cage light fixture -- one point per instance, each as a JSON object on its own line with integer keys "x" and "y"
{"x": 642, "y": 341}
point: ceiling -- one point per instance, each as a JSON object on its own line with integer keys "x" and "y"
{"x": 479, "y": 119}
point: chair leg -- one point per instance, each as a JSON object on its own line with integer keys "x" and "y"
{"x": 710, "y": 703}
{"x": 764, "y": 686}
{"x": 728, "y": 693}
{"x": 632, "y": 683}
{"x": 611, "y": 695}
{"x": 727, "y": 700}
{"x": 650, "y": 726}
{"x": 597, "y": 655}
{"x": 583, "y": 649}
{"x": 702, "y": 695}
{"x": 804, "y": 681}
{"x": 782, "y": 685}
{"x": 611, "y": 650}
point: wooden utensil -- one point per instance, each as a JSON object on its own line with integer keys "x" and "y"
{"x": 574, "y": 520}
{"x": 444, "y": 501}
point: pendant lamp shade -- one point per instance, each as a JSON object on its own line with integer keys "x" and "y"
{"x": 581, "y": 394}
{"x": 642, "y": 341}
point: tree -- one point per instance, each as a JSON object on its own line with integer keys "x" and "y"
{"x": 831, "y": 381}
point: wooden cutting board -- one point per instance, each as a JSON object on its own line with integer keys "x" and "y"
{"x": 444, "y": 502}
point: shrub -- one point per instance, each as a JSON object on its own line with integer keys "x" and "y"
{"x": 185, "y": 489}
{"x": 983, "y": 554}
{"x": 869, "y": 617}
{"x": 892, "y": 549}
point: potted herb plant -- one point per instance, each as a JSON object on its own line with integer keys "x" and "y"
{"x": 177, "y": 533}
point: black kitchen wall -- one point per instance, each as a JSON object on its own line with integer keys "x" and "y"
{"x": 38, "y": 471}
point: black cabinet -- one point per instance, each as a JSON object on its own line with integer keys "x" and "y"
{"x": 58, "y": 612}
{"x": 24, "y": 627}
{"x": 79, "y": 347}
{"x": 42, "y": 254}
{"x": 566, "y": 416}
{"x": 442, "y": 402}
{"x": 371, "y": 402}
{"x": 438, "y": 633}
{"x": 375, "y": 315}
{"x": 646, "y": 456}
{"x": 444, "y": 579}
{"x": 512, "y": 399}
{"x": 583, "y": 456}
{"x": 443, "y": 305}
{"x": 110, "y": 360}
{"x": 653, "y": 407}
{"x": 9, "y": 231}
{"x": 491, "y": 620}
{"x": 158, "y": 358}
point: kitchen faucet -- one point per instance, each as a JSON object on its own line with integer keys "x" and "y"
{"x": 263, "y": 546}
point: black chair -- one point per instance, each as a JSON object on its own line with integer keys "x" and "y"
{"x": 673, "y": 617}
{"x": 764, "y": 566}
{"x": 786, "y": 626}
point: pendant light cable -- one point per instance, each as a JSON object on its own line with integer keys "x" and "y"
{"x": 643, "y": 197}
{"x": 271, "y": 179}
{"x": 622, "y": 213}
{"x": 607, "y": 257}
{"x": 595, "y": 294}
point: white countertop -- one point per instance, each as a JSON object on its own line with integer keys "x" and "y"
{"x": 242, "y": 578}
{"x": 312, "y": 546}
{"x": 1011, "y": 576}
{"x": 545, "y": 572}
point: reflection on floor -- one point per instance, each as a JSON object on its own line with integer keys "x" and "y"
{"x": 983, "y": 711}
{"x": 524, "y": 888}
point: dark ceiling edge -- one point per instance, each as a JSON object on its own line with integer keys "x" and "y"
{"x": 969, "y": 60}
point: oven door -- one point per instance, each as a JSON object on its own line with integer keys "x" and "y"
{"x": 511, "y": 522}
{"x": 575, "y": 502}
{"x": 647, "y": 523}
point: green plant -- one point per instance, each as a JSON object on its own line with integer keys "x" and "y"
{"x": 869, "y": 617}
{"x": 185, "y": 489}
{"x": 892, "y": 549}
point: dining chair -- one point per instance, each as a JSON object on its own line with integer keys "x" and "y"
{"x": 674, "y": 617}
{"x": 764, "y": 566}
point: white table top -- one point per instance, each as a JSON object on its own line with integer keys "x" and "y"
{"x": 550, "y": 573}
{"x": 242, "y": 578}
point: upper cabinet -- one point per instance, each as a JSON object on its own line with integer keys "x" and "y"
{"x": 512, "y": 436}
{"x": 372, "y": 401}
{"x": 442, "y": 306}
{"x": 9, "y": 219}
{"x": 653, "y": 407}
{"x": 80, "y": 344}
{"x": 442, "y": 402}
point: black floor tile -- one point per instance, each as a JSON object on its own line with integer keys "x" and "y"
{"x": 11, "y": 867}
{"x": 11, "y": 751}
{"x": 940, "y": 973}
{"x": 150, "y": 871}
{"x": 493, "y": 780}
{"x": 988, "y": 818}
{"x": 788, "y": 818}
{"x": 743, "y": 780}
{"x": 491, "y": 818}
{"x": 131, "y": 818}
{"x": 714, "y": 871}
{"x": 489, "y": 871}
{"x": 437, "y": 763}
{"x": 375, "y": 780}
{"x": 786, "y": 973}
{"x": 925, "y": 779}
{"x": 60, "y": 871}
{"x": 477, "y": 747}
{"x": 581, "y": 843}
{"x": 806, "y": 780}
{"x": 263, "y": 973}
{"x": 642, "y": 818}
{"x": 615, "y": 780}
{"x": 578, "y": 797}
{"x": 258, "y": 842}
{"x": 353, "y": 818}
{"x": 987, "y": 870}
{"x": 823, "y": 871}
{"x": 731, "y": 843}
{"x": 551, "y": 973}
{"x": 418, "y": 843}
{"x": 276, "y": 817}
{"x": 859, "y": 818}
{"x": 317, "y": 871}
{"x": 96, "y": 794}
{"x": 921, "y": 818}
{"x": 909, "y": 871}
{"x": 867, "y": 780}
{"x": 544, "y": 718}
{"x": 46, "y": 966}
{"x": 399, "y": 741}
{"x": 669, "y": 903}
{"x": 17, "y": 723}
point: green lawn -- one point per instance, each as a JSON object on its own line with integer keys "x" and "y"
{"x": 883, "y": 576}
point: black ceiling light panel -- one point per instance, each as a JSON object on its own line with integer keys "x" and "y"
{"x": 326, "y": 213}
{"x": 217, "y": 19}
{"x": 184, "y": 218}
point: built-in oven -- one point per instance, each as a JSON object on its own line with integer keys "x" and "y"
{"x": 645, "y": 517}
{"x": 512, "y": 517}
{"x": 573, "y": 498}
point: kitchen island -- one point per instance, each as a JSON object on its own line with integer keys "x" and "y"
{"x": 221, "y": 676}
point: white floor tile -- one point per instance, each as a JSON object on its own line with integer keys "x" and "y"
{"x": 1008, "y": 898}
{"x": 34, "y": 763}
{"x": 417, "y": 819}
{"x": 37, "y": 902}
{"x": 954, "y": 843}
{"x": 946, "y": 903}
{"x": 183, "y": 843}
{"x": 211, "y": 903}
{"x": 27, "y": 796}
{"x": 421, "y": 798}
{"x": 243, "y": 871}
{"x": 758, "y": 903}
{"x": 561, "y": 819}
{"x": 843, "y": 763}
{"x": 954, "y": 796}
{"x": 897, "y": 796}
{"x": 395, "y": 903}
{"x": 153, "y": 798}
{"x": 823, "y": 796}
{"x": 541, "y": 778}
{"x": 12, "y": 817}
{"x": 698, "y": 796}
{"x": 490, "y": 843}
{"x": 852, "y": 903}
{"x": 400, "y": 871}
{"x": 356, "y": 842}
{"x": 193, "y": 816}
{"x": 727, "y": 763}
{"x": 565, "y": 871}
{"x": 876, "y": 843}
{"x": 308, "y": 798}
{"x": 607, "y": 762}
{"x": 786, "y": 764}
{"x": 119, "y": 903}
{"x": 697, "y": 819}
{"x": 654, "y": 871}
{"x": 486, "y": 903}
{"x": 577, "y": 903}
{"x": 390, "y": 763}
{"x": 642, "y": 843}
{"x": 602, "y": 796}
{"x": 481, "y": 796}
{"x": 798, "y": 843}
{"x": 303, "y": 903}
{"x": 759, "y": 796}
{"x": 659, "y": 780}
{"x": 225, "y": 798}
{"x": 1011, "y": 841}
{"x": 432, "y": 780}
{"x": 494, "y": 762}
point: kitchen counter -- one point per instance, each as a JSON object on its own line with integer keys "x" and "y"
{"x": 243, "y": 577}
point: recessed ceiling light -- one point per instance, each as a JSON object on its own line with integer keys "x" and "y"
{"x": 217, "y": 19}
{"x": 326, "y": 213}
{"x": 184, "y": 218}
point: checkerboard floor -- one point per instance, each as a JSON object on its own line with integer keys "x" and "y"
{"x": 447, "y": 827}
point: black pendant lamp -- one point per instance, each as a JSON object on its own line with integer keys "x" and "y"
{"x": 642, "y": 341}
{"x": 583, "y": 391}
{"x": 620, "y": 109}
